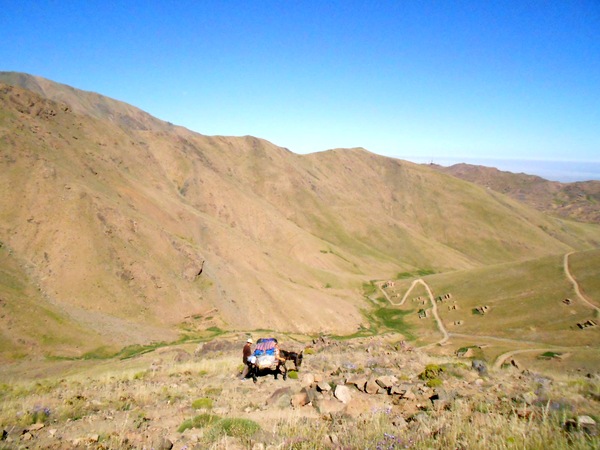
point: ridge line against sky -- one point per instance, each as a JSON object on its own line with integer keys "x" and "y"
{"x": 431, "y": 80}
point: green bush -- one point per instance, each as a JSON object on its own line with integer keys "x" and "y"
{"x": 201, "y": 421}
{"x": 431, "y": 371}
{"x": 293, "y": 375}
{"x": 235, "y": 427}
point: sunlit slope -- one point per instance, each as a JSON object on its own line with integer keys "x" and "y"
{"x": 521, "y": 302}
{"x": 143, "y": 233}
{"x": 29, "y": 324}
{"x": 585, "y": 269}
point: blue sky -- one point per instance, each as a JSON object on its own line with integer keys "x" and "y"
{"x": 435, "y": 80}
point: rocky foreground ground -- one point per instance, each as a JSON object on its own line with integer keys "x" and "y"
{"x": 369, "y": 393}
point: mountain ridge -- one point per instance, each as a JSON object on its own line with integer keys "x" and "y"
{"x": 170, "y": 232}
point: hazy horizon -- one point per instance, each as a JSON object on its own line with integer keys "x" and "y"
{"x": 552, "y": 170}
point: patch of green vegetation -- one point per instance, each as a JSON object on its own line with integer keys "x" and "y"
{"x": 215, "y": 330}
{"x": 549, "y": 355}
{"x": 292, "y": 375}
{"x": 431, "y": 372}
{"x": 425, "y": 272}
{"x": 201, "y": 421}
{"x": 434, "y": 382}
{"x": 99, "y": 353}
{"x": 403, "y": 275}
{"x": 393, "y": 319}
{"x": 369, "y": 288}
{"x": 236, "y": 427}
{"x": 203, "y": 403}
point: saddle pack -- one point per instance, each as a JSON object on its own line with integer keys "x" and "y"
{"x": 265, "y": 353}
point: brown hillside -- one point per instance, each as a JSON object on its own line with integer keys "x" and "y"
{"x": 577, "y": 201}
{"x": 138, "y": 231}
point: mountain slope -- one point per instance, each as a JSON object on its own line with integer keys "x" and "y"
{"x": 141, "y": 233}
{"x": 576, "y": 201}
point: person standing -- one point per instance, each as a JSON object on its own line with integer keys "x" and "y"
{"x": 246, "y": 352}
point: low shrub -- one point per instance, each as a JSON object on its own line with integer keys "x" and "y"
{"x": 201, "y": 421}
{"x": 235, "y": 427}
{"x": 430, "y": 372}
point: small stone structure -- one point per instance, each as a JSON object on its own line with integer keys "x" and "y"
{"x": 587, "y": 324}
{"x": 482, "y": 309}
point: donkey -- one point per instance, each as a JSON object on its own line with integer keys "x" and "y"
{"x": 292, "y": 356}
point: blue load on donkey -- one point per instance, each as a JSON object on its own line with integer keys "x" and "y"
{"x": 265, "y": 353}
{"x": 266, "y": 357}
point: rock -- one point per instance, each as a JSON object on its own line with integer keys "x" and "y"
{"x": 328, "y": 406}
{"x": 323, "y": 386}
{"x": 588, "y": 425}
{"x": 311, "y": 393}
{"x": 278, "y": 394}
{"x": 480, "y": 366}
{"x": 358, "y": 381}
{"x": 308, "y": 379}
{"x": 397, "y": 390}
{"x": 409, "y": 395}
{"x": 27, "y": 436}
{"x": 387, "y": 381}
{"x": 300, "y": 399}
{"x": 35, "y": 427}
{"x": 162, "y": 443}
{"x": 342, "y": 393}
{"x": 371, "y": 387}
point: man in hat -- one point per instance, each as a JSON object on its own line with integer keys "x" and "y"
{"x": 246, "y": 352}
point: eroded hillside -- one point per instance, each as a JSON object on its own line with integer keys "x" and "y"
{"x": 139, "y": 231}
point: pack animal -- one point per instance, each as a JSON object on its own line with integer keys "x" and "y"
{"x": 266, "y": 358}
{"x": 295, "y": 357}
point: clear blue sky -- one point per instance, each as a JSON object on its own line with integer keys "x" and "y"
{"x": 407, "y": 79}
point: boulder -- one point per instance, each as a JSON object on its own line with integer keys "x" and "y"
{"x": 371, "y": 387}
{"x": 342, "y": 393}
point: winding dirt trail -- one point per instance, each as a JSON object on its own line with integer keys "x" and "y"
{"x": 503, "y": 357}
{"x": 438, "y": 320}
{"x": 575, "y": 284}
